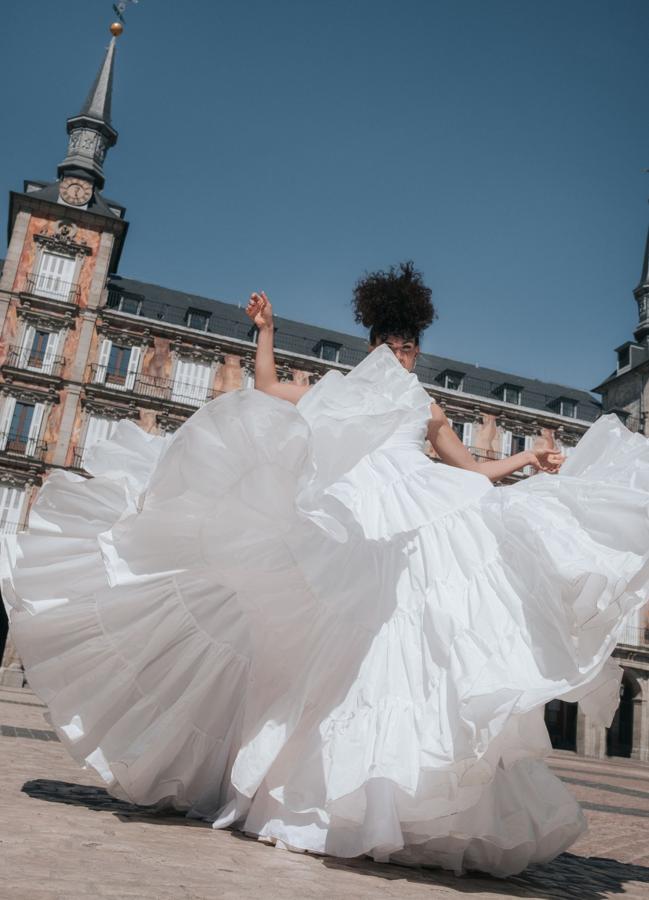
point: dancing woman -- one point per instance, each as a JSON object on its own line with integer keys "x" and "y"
{"x": 286, "y": 618}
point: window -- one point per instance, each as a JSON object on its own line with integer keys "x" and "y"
{"x": 464, "y": 430}
{"x": 192, "y": 382}
{"x": 328, "y": 351}
{"x": 117, "y": 366}
{"x": 197, "y": 318}
{"x": 247, "y": 379}
{"x": 124, "y": 303}
{"x": 39, "y": 348}
{"x": 624, "y": 356}
{"x": 509, "y": 393}
{"x": 11, "y": 504}
{"x": 55, "y": 276}
{"x": 568, "y": 408}
{"x": 253, "y": 334}
{"x": 453, "y": 381}
{"x": 21, "y": 426}
{"x": 98, "y": 428}
{"x": 518, "y": 444}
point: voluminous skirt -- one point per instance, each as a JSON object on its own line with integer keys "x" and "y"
{"x": 289, "y": 619}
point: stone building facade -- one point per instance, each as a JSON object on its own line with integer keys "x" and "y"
{"x": 82, "y": 347}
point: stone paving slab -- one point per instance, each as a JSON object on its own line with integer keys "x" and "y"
{"x": 62, "y": 837}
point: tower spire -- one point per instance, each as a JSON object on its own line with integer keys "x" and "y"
{"x": 91, "y": 131}
{"x": 641, "y": 294}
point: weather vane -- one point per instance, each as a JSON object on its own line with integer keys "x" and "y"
{"x": 119, "y": 8}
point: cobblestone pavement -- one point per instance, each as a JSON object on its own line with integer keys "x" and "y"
{"x": 63, "y": 837}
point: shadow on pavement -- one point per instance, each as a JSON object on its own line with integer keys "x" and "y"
{"x": 99, "y": 799}
{"x": 565, "y": 878}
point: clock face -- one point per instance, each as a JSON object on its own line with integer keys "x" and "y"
{"x": 75, "y": 191}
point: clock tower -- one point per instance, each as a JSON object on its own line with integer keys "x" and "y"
{"x": 91, "y": 134}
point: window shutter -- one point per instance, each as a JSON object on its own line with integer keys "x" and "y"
{"x": 203, "y": 373}
{"x": 51, "y": 350}
{"x": 247, "y": 379}
{"x": 530, "y": 440}
{"x": 104, "y": 356}
{"x": 35, "y": 429}
{"x": 55, "y": 275}
{"x": 11, "y": 504}
{"x": 26, "y": 346}
{"x": 507, "y": 443}
{"x": 5, "y": 420}
{"x": 133, "y": 365}
{"x": 192, "y": 382}
{"x": 98, "y": 428}
{"x": 467, "y": 437}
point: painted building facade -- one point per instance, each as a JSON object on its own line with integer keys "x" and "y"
{"x": 82, "y": 347}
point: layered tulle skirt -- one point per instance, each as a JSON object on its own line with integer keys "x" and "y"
{"x": 290, "y": 619}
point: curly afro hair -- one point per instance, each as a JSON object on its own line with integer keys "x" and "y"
{"x": 395, "y": 303}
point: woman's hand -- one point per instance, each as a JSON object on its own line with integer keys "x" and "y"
{"x": 548, "y": 460}
{"x": 260, "y": 310}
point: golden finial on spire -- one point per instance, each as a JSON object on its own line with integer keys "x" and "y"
{"x": 116, "y": 29}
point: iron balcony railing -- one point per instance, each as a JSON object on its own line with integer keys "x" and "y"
{"x": 52, "y": 287}
{"x": 34, "y": 360}
{"x": 153, "y": 387}
{"x": 22, "y": 445}
{"x": 632, "y": 636}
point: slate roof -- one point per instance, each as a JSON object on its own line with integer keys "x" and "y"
{"x": 230, "y": 320}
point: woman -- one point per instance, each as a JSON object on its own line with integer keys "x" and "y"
{"x": 287, "y": 618}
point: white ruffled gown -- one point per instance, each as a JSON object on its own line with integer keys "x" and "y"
{"x": 288, "y": 618}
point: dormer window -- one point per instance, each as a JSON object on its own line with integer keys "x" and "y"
{"x": 565, "y": 406}
{"x": 510, "y": 393}
{"x": 623, "y": 356}
{"x": 126, "y": 303}
{"x": 197, "y": 319}
{"x": 451, "y": 380}
{"x": 329, "y": 351}
{"x": 253, "y": 334}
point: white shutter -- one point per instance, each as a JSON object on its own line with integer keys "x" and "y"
{"x": 104, "y": 356}
{"x": 11, "y": 504}
{"x": 203, "y": 373}
{"x": 55, "y": 276}
{"x": 133, "y": 365}
{"x": 5, "y": 420}
{"x": 51, "y": 350}
{"x": 191, "y": 382}
{"x": 247, "y": 379}
{"x": 35, "y": 429}
{"x": 507, "y": 443}
{"x": 26, "y": 346}
{"x": 467, "y": 436}
{"x": 98, "y": 428}
{"x": 530, "y": 440}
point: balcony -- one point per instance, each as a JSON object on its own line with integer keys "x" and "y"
{"x": 632, "y": 636}
{"x": 20, "y": 445}
{"x": 151, "y": 387}
{"x": 37, "y": 361}
{"x": 51, "y": 288}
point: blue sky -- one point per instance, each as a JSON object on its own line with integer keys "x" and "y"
{"x": 291, "y": 146}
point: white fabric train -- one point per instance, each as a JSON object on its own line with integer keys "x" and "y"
{"x": 289, "y": 618}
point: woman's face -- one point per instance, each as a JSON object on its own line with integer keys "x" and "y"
{"x": 406, "y": 351}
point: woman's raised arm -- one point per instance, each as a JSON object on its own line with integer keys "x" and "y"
{"x": 260, "y": 311}
{"x": 452, "y": 451}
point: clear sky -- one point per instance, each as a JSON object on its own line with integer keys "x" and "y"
{"x": 292, "y": 145}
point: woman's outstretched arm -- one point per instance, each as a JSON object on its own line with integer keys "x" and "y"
{"x": 266, "y": 380}
{"x": 451, "y": 450}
